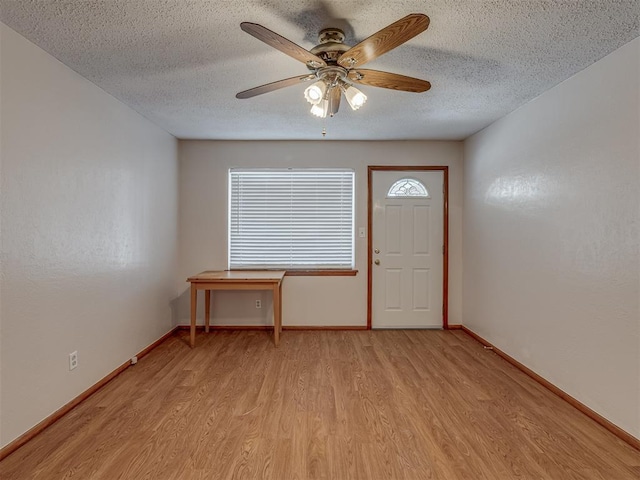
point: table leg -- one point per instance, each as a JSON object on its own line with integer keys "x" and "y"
{"x": 280, "y": 298}
{"x": 207, "y": 309}
{"x": 277, "y": 319}
{"x": 192, "y": 330}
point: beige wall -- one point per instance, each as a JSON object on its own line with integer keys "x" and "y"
{"x": 551, "y": 236}
{"x": 89, "y": 224}
{"x": 307, "y": 301}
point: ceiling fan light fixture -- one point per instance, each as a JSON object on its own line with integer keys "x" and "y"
{"x": 321, "y": 109}
{"x": 332, "y": 64}
{"x": 315, "y": 92}
{"x": 354, "y": 97}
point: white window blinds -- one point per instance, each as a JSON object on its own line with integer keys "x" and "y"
{"x": 291, "y": 218}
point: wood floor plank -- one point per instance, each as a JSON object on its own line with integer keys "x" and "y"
{"x": 403, "y": 404}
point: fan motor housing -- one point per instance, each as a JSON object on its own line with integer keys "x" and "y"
{"x": 330, "y": 47}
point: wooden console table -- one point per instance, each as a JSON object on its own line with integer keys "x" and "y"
{"x": 236, "y": 280}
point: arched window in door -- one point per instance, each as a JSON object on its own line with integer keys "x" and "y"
{"x": 408, "y": 187}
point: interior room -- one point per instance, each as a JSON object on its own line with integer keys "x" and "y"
{"x": 122, "y": 126}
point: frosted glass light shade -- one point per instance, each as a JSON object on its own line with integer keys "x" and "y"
{"x": 355, "y": 97}
{"x": 314, "y": 93}
{"x": 321, "y": 109}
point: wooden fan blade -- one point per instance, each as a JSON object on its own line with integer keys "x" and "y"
{"x": 376, "y": 78}
{"x": 386, "y": 39}
{"x": 280, "y": 43}
{"x": 334, "y": 100}
{"x": 270, "y": 87}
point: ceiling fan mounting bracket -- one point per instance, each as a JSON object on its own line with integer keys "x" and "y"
{"x": 313, "y": 65}
{"x": 334, "y": 35}
{"x": 351, "y": 61}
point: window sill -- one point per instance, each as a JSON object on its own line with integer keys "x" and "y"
{"x": 321, "y": 273}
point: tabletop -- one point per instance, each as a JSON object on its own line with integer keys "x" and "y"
{"x": 238, "y": 276}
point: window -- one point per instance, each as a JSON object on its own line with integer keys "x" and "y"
{"x": 291, "y": 219}
{"x": 408, "y": 187}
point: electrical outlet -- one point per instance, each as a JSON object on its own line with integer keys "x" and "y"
{"x": 258, "y": 304}
{"x": 73, "y": 360}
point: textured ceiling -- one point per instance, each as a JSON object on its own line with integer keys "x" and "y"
{"x": 181, "y": 62}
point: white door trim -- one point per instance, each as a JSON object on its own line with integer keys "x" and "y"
{"x": 445, "y": 216}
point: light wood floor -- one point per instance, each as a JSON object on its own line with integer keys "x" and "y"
{"x": 326, "y": 404}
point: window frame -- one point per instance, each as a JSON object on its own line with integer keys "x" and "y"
{"x": 292, "y": 269}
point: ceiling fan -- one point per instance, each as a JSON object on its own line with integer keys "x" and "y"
{"x": 335, "y": 67}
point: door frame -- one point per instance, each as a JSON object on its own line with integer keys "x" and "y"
{"x": 445, "y": 240}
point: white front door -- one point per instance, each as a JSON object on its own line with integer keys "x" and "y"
{"x": 407, "y": 242}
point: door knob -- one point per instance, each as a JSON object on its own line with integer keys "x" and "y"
{"x": 377, "y": 262}
{"x": 377, "y": 250}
